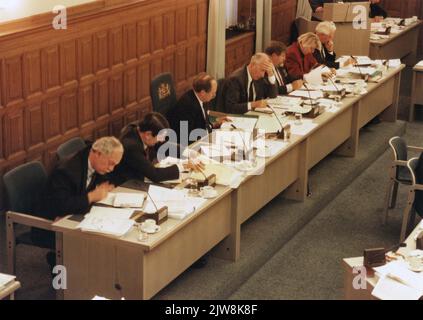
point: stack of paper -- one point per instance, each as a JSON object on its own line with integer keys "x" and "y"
{"x": 124, "y": 200}
{"x": 215, "y": 151}
{"x": 284, "y": 101}
{"x": 109, "y": 221}
{"x": 397, "y": 282}
{"x": 311, "y": 94}
{"x": 179, "y": 204}
{"x": 240, "y": 139}
{"x": 225, "y": 175}
{"x": 244, "y": 123}
{"x": 6, "y": 279}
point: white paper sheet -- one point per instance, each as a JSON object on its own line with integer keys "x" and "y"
{"x": 390, "y": 289}
{"x": 303, "y": 129}
{"x": 215, "y": 150}
{"x": 313, "y": 94}
{"x": 5, "y": 279}
{"x": 243, "y": 123}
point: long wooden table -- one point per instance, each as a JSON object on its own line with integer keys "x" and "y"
{"x": 100, "y": 265}
{"x": 352, "y": 264}
{"x": 403, "y": 45}
{"x": 416, "y": 90}
{"x": 9, "y": 290}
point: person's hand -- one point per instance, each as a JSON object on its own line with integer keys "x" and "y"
{"x": 259, "y": 104}
{"x": 194, "y": 165}
{"x": 268, "y": 66}
{"x": 100, "y": 192}
{"x": 319, "y": 9}
{"x": 350, "y": 61}
{"x": 297, "y": 84}
{"x": 329, "y": 46}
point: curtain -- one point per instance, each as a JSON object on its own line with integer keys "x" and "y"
{"x": 263, "y": 24}
{"x": 216, "y": 42}
{"x": 304, "y": 10}
{"x": 231, "y": 13}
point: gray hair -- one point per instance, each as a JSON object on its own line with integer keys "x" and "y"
{"x": 326, "y": 27}
{"x": 107, "y": 145}
{"x": 259, "y": 58}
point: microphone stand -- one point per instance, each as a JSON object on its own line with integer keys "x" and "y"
{"x": 363, "y": 76}
{"x": 280, "y": 134}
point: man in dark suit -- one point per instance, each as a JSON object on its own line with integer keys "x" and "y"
{"x": 277, "y": 54}
{"x": 191, "y": 111}
{"x": 418, "y": 204}
{"x": 248, "y": 88}
{"x": 317, "y": 5}
{"x": 141, "y": 142}
{"x": 326, "y": 55}
{"x": 82, "y": 180}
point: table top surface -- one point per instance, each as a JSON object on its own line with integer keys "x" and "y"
{"x": 394, "y": 36}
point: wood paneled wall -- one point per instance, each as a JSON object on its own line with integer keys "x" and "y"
{"x": 93, "y": 78}
{"x": 283, "y": 15}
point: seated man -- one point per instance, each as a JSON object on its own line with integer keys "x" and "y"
{"x": 376, "y": 11}
{"x": 191, "y": 110}
{"x": 141, "y": 142}
{"x": 326, "y": 55}
{"x": 418, "y": 204}
{"x": 299, "y": 55}
{"x": 277, "y": 53}
{"x": 82, "y": 180}
{"x": 248, "y": 88}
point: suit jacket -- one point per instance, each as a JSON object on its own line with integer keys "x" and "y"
{"x": 282, "y": 87}
{"x": 137, "y": 163}
{"x": 377, "y": 11}
{"x": 297, "y": 63}
{"x": 318, "y": 3}
{"x": 66, "y": 190}
{"x": 326, "y": 58}
{"x": 235, "y": 91}
{"x": 188, "y": 109}
{"x": 418, "y": 204}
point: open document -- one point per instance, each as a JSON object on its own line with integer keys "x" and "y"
{"x": 109, "y": 221}
{"x": 179, "y": 204}
{"x": 124, "y": 200}
{"x": 397, "y": 282}
{"x": 225, "y": 175}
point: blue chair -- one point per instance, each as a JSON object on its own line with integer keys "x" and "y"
{"x": 163, "y": 93}
{"x": 23, "y": 186}
{"x": 70, "y": 147}
{"x": 398, "y": 173}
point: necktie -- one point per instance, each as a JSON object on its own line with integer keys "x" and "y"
{"x": 280, "y": 77}
{"x": 251, "y": 93}
{"x": 92, "y": 184}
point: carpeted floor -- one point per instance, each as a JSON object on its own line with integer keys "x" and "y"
{"x": 289, "y": 250}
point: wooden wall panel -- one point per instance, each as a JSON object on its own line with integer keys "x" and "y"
{"x": 283, "y": 15}
{"x": 93, "y": 78}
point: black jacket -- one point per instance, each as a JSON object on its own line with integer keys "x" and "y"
{"x": 66, "y": 190}
{"x": 137, "y": 163}
{"x": 324, "y": 57}
{"x": 318, "y": 3}
{"x": 377, "y": 11}
{"x": 235, "y": 91}
{"x": 282, "y": 87}
{"x": 188, "y": 109}
{"x": 419, "y": 194}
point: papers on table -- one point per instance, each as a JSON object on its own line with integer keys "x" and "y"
{"x": 6, "y": 279}
{"x": 179, "y": 204}
{"x": 314, "y": 77}
{"x": 225, "y": 176}
{"x": 109, "y": 221}
{"x": 311, "y": 94}
{"x": 397, "y": 282}
{"x": 243, "y": 123}
{"x": 283, "y": 102}
{"x": 420, "y": 64}
{"x": 269, "y": 148}
{"x": 123, "y": 200}
{"x": 231, "y": 138}
{"x": 394, "y": 63}
{"x": 304, "y": 128}
{"x": 215, "y": 150}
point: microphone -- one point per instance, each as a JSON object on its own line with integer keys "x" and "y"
{"x": 161, "y": 213}
{"x": 245, "y": 149}
{"x": 309, "y": 95}
{"x": 279, "y": 134}
{"x": 363, "y": 76}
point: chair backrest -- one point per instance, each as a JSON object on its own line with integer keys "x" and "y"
{"x": 70, "y": 147}
{"x": 163, "y": 93}
{"x": 23, "y": 185}
{"x": 399, "y": 147}
{"x": 217, "y": 102}
{"x": 412, "y": 166}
